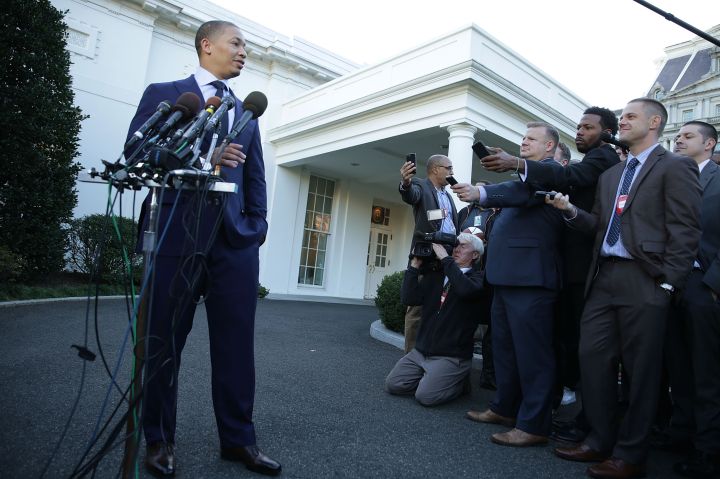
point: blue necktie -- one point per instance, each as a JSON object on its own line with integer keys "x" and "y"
{"x": 220, "y": 93}
{"x": 614, "y": 233}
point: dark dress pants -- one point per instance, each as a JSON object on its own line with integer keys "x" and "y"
{"x": 692, "y": 352}
{"x": 624, "y": 320}
{"x": 522, "y": 336}
{"x": 228, "y": 282}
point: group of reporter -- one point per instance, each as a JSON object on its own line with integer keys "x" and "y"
{"x": 619, "y": 269}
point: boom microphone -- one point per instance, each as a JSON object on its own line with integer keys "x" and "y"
{"x": 185, "y": 108}
{"x": 608, "y": 138}
{"x": 162, "y": 109}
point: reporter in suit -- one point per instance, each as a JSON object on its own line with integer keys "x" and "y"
{"x": 692, "y": 347}
{"x": 525, "y": 269}
{"x": 225, "y": 271}
{"x": 425, "y": 195}
{"x": 646, "y": 224}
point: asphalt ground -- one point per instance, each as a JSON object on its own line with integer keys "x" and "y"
{"x": 320, "y": 407}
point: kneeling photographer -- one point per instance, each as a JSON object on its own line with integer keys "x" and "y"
{"x": 437, "y": 368}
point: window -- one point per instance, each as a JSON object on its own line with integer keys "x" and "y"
{"x": 687, "y": 115}
{"x": 717, "y": 110}
{"x": 318, "y": 215}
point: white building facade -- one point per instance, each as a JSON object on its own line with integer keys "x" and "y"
{"x": 335, "y": 134}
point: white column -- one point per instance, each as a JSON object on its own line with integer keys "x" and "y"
{"x": 460, "y": 152}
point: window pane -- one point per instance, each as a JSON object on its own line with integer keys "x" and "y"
{"x": 330, "y": 189}
{"x": 323, "y": 242}
{"x": 301, "y": 275}
{"x": 320, "y": 260}
{"x": 328, "y": 206}
{"x": 318, "y": 277}
{"x": 382, "y": 262}
{"x": 313, "y": 184}
{"x": 303, "y": 257}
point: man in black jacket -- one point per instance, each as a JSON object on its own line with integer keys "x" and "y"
{"x": 436, "y": 368}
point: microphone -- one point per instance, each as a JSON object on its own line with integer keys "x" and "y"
{"x": 608, "y": 138}
{"x": 254, "y": 105}
{"x": 162, "y": 109}
{"x": 185, "y": 107}
{"x": 228, "y": 103}
{"x": 196, "y": 126}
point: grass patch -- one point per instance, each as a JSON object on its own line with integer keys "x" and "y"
{"x": 60, "y": 285}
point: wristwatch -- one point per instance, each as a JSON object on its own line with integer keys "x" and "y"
{"x": 669, "y": 288}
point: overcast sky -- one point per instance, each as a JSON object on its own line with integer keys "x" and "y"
{"x": 605, "y": 51}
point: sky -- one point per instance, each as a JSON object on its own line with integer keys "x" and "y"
{"x": 605, "y": 51}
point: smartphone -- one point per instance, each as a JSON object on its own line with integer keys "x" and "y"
{"x": 451, "y": 180}
{"x": 411, "y": 158}
{"x": 480, "y": 150}
{"x": 546, "y": 193}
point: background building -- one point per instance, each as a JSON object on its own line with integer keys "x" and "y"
{"x": 689, "y": 84}
{"x": 335, "y": 133}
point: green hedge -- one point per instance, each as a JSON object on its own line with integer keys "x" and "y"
{"x": 392, "y": 311}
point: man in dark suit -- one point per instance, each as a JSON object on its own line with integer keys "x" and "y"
{"x": 579, "y": 180}
{"x": 524, "y": 268}
{"x": 692, "y": 348}
{"x": 434, "y": 210}
{"x": 437, "y": 368}
{"x": 210, "y": 250}
{"x": 646, "y": 224}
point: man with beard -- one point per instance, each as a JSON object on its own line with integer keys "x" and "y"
{"x": 579, "y": 181}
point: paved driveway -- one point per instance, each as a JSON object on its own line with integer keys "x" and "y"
{"x": 320, "y": 408}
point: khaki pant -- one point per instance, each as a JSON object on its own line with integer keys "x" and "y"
{"x": 412, "y": 324}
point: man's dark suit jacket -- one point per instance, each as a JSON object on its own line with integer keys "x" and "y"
{"x": 660, "y": 224}
{"x": 447, "y": 330}
{"x": 709, "y": 253}
{"x": 523, "y": 247}
{"x": 579, "y": 180}
{"x": 244, "y": 213}
{"x": 421, "y": 194}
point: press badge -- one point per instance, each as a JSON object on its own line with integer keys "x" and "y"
{"x": 434, "y": 215}
{"x": 620, "y": 205}
{"x": 478, "y": 221}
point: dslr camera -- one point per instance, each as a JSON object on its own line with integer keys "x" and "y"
{"x": 423, "y": 247}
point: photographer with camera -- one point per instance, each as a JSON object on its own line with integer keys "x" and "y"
{"x": 434, "y": 211}
{"x": 436, "y": 369}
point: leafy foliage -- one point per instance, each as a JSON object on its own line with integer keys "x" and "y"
{"x": 392, "y": 311}
{"x": 39, "y": 143}
{"x": 95, "y": 249}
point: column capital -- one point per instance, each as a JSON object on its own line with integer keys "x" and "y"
{"x": 462, "y": 130}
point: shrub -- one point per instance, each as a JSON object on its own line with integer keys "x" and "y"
{"x": 39, "y": 143}
{"x": 94, "y": 247}
{"x": 262, "y": 291}
{"x": 392, "y": 311}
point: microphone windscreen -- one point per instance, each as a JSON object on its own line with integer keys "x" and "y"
{"x": 214, "y": 102}
{"x": 256, "y": 102}
{"x": 189, "y": 104}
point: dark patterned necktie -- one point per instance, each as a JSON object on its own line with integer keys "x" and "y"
{"x": 614, "y": 233}
{"x": 220, "y": 93}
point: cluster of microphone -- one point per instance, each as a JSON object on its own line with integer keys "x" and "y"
{"x": 171, "y": 138}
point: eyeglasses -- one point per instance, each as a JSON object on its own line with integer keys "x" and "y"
{"x": 446, "y": 167}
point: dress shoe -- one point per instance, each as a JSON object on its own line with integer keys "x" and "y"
{"x": 581, "y": 453}
{"x": 699, "y": 464}
{"x": 253, "y": 459}
{"x": 667, "y": 441}
{"x": 615, "y": 468}
{"x": 490, "y": 417}
{"x": 567, "y": 432}
{"x": 517, "y": 438}
{"x": 160, "y": 459}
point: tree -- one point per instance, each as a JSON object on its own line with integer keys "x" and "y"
{"x": 39, "y": 142}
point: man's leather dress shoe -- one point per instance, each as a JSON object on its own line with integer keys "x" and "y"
{"x": 160, "y": 459}
{"x": 581, "y": 453}
{"x": 490, "y": 417}
{"x": 253, "y": 459}
{"x": 518, "y": 438}
{"x": 615, "y": 468}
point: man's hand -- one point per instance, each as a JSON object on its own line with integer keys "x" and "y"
{"x": 416, "y": 262}
{"x": 231, "y": 156}
{"x": 500, "y": 161}
{"x": 562, "y": 202}
{"x": 466, "y": 192}
{"x": 440, "y": 251}
{"x": 407, "y": 172}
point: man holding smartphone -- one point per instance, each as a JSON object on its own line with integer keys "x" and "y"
{"x": 433, "y": 210}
